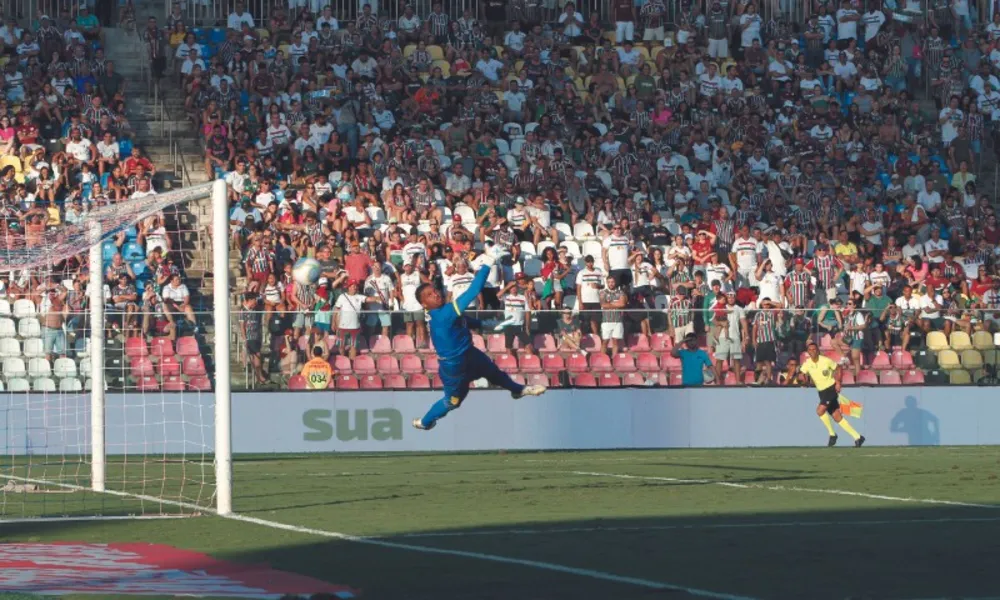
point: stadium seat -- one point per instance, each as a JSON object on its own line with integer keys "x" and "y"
{"x": 380, "y": 344}
{"x": 18, "y": 384}
{"x": 669, "y": 362}
{"x": 925, "y": 359}
{"x": 495, "y": 343}
{"x": 141, "y": 367}
{"x": 64, "y": 368}
{"x": 553, "y": 363}
{"x": 750, "y": 377}
{"x": 194, "y": 366}
{"x": 661, "y": 342}
{"x": 506, "y": 362}
{"x": 169, "y": 367}
{"x": 517, "y": 378}
{"x": 429, "y": 347}
{"x": 890, "y": 377}
{"x": 29, "y": 327}
{"x": 959, "y": 340}
{"x": 388, "y": 364}
{"x": 371, "y": 382}
{"x": 624, "y": 363}
{"x": 5, "y": 310}
{"x": 297, "y": 382}
{"x": 847, "y": 378}
{"x": 431, "y": 364}
{"x": 341, "y": 363}
{"x": 23, "y": 308}
{"x": 9, "y": 347}
{"x": 600, "y": 363}
{"x": 971, "y": 359}
{"x": 161, "y": 347}
{"x": 866, "y": 377}
{"x": 676, "y": 378}
{"x": 395, "y": 381}
{"x": 173, "y": 383}
{"x": 201, "y": 384}
{"x": 82, "y": 348}
{"x": 136, "y": 347}
{"x": 7, "y": 328}
{"x": 648, "y": 363}
{"x": 403, "y": 344}
{"x": 34, "y": 348}
{"x": 730, "y": 379}
{"x": 937, "y": 341}
{"x": 638, "y": 342}
{"x": 132, "y": 252}
{"x": 948, "y": 359}
{"x": 902, "y": 360}
{"x": 39, "y": 367}
{"x": 43, "y": 384}
{"x": 634, "y": 379}
{"x": 590, "y": 343}
{"x": 147, "y": 384}
{"x": 530, "y": 363}
{"x": 881, "y": 361}
{"x": 959, "y": 377}
{"x": 544, "y": 342}
{"x": 418, "y": 381}
{"x": 364, "y": 365}
{"x": 825, "y": 342}
{"x": 347, "y": 382}
{"x": 577, "y": 363}
{"x": 187, "y": 346}
{"x": 411, "y": 363}
{"x": 584, "y": 380}
{"x": 609, "y": 380}
{"x": 913, "y": 377}
{"x": 70, "y": 384}
{"x": 982, "y": 340}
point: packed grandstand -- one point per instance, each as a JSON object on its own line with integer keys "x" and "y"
{"x": 754, "y": 174}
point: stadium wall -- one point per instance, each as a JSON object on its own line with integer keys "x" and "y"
{"x": 490, "y": 420}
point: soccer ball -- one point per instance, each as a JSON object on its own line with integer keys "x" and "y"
{"x": 306, "y": 271}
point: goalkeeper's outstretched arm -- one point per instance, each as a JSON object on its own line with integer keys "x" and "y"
{"x": 475, "y": 288}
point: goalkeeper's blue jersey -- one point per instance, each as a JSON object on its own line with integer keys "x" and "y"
{"x": 450, "y": 327}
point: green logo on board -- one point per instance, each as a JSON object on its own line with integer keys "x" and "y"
{"x": 382, "y": 424}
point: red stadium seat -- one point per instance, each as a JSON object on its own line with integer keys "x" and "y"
{"x": 297, "y": 382}
{"x": 479, "y": 342}
{"x": 530, "y": 363}
{"x": 411, "y": 363}
{"x": 913, "y": 377}
{"x": 590, "y": 342}
{"x": 347, "y": 382}
{"x": 161, "y": 347}
{"x": 848, "y": 378}
{"x": 554, "y": 381}
{"x": 364, "y": 365}
{"x": 634, "y": 379}
{"x": 403, "y": 343}
{"x": 825, "y": 342}
{"x": 676, "y": 378}
{"x": 395, "y": 382}
{"x": 538, "y": 379}
{"x": 147, "y": 384}
{"x": 648, "y": 363}
{"x": 506, "y": 362}
{"x": 429, "y": 346}
{"x": 495, "y": 343}
{"x": 173, "y": 383}
{"x": 902, "y": 360}
{"x": 388, "y": 365}
{"x": 553, "y": 363}
{"x": 890, "y": 377}
{"x": 577, "y": 363}
{"x": 332, "y": 383}
{"x": 638, "y": 342}
{"x": 380, "y": 344}
{"x": 518, "y": 379}
{"x": 545, "y": 343}
{"x": 187, "y": 346}
{"x": 141, "y": 367}
{"x": 194, "y": 366}
{"x": 201, "y": 384}
{"x": 341, "y": 364}
{"x": 584, "y": 380}
{"x": 867, "y": 377}
{"x": 436, "y": 382}
{"x": 749, "y": 377}
{"x": 169, "y": 366}
{"x": 136, "y": 347}
{"x": 670, "y": 363}
{"x": 609, "y": 380}
{"x": 431, "y": 364}
{"x": 624, "y": 363}
{"x": 418, "y": 381}
{"x": 833, "y": 355}
{"x": 881, "y": 361}
{"x": 371, "y": 382}
{"x": 661, "y": 342}
{"x": 600, "y": 362}
{"x": 730, "y": 379}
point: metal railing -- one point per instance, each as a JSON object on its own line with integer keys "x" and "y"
{"x": 216, "y": 12}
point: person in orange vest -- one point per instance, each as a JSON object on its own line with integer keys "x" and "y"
{"x": 317, "y": 372}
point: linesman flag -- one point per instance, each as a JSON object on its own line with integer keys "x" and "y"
{"x": 850, "y": 408}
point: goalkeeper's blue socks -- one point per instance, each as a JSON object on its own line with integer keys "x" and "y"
{"x": 438, "y": 410}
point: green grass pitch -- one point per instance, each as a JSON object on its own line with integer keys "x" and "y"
{"x": 773, "y": 523}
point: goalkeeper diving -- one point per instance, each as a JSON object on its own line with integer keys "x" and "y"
{"x": 459, "y": 362}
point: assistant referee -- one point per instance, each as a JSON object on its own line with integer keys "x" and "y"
{"x": 825, "y": 374}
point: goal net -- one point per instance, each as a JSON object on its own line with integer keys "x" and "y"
{"x": 112, "y": 350}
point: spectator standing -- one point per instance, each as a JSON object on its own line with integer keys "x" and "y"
{"x": 694, "y": 362}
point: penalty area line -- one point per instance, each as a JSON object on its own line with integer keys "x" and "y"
{"x": 785, "y": 488}
{"x": 383, "y": 543}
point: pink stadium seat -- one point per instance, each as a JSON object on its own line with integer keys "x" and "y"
{"x": 553, "y": 363}
{"x": 411, "y": 363}
{"x": 364, "y": 365}
{"x": 418, "y": 381}
{"x": 676, "y": 378}
{"x": 530, "y": 363}
{"x": 867, "y": 377}
{"x": 749, "y": 377}
{"x": 403, "y": 343}
{"x": 545, "y": 343}
{"x": 902, "y": 360}
{"x": 881, "y": 361}
{"x": 341, "y": 364}
{"x": 142, "y": 367}
{"x": 825, "y": 342}
{"x": 347, "y": 382}
{"x": 297, "y": 382}
{"x": 395, "y": 382}
{"x": 634, "y": 379}
{"x": 201, "y": 384}
{"x": 363, "y": 345}
{"x": 913, "y": 377}
{"x": 584, "y": 380}
{"x": 506, "y": 362}
{"x": 194, "y": 366}
{"x": 730, "y": 379}
{"x": 479, "y": 342}
{"x": 661, "y": 342}
{"x": 609, "y": 380}
{"x": 538, "y": 379}
{"x": 148, "y": 384}
{"x": 187, "y": 346}
{"x": 496, "y": 343}
{"x": 600, "y": 362}
{"x": 161, "y": 347}
{"x": 431, "y": 364}
{"x": 388, "y": 365}
{"x": 648, "y": 363}
{"x": 436, "y": 382}
{"x": 380, "y": 344}
{"x": 173, "y": 383}
{"x": 519, "y": 379}
{"x": 670, "y": 363}
{"x": 590, "y": 342}
{"x": 848, "y": 378}
{"x": 332, "y": 383}
{"x": 554, "y": 381}
{"x": 135, "y": 347}
{"x": 371, "y": 382}
{"x": 169, "y": 367}
{"x": 624, "y": 363}
{"x": 890, "y": 377}
{"x": 577, "y": 363}
{"x": 638, "y": 342}
{"x": 833, "y": 355}
{"x": 429, "y": 346}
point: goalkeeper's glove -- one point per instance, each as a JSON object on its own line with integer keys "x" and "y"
{"x": 493, "y": 254}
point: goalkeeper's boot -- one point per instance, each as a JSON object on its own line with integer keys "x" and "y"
{"x": 832, "y": 441}
{"x": 859, "y": 442}
{"x": 530, "y": 390}
{"x": 419, "y": 424}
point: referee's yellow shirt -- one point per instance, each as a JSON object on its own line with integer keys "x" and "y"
{"x": 820, "y": 371}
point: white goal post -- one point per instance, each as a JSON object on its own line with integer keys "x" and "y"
{"x": 164, "y": 451}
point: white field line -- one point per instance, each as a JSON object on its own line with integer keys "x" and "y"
{"x": 83, "y": 519}
{"x": 517, "y": 531}
{"x": 496, "y": 558}
{"x": 685, "y": 455}
{"x": 784, "y": 488}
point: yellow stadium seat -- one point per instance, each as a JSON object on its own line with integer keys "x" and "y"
{"x": 937, "y": 341}
{"x": 643, "y": 51}
{"x": 19, "y": 177}
{"x": 436, "y": 52}
{"x": 972, "y": 359}
{"x": 610, "y": 36}
{"x": 518, "y": 65}
{"x": 982, "y": 340}
{"x": 948, "y": 359}
{"x": 499, "y": 50}
{"x": 960, "y": 377}
{"x": 583, "y": 95}
{"x": 4, "y": 60}
{"x": 408, "y": 50}
{"x": 283, "y": 48}
{"x": 580, "y": 86}
{"x": 444, "y": 65}
{"x": 569, "y": 72}
{"x": 499, "y": 95}
{"x": 263, "y": 33}
{"x": 11, "y": 161}
{"x": 630, "y": 80}
{"x": 959, "y": 340}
